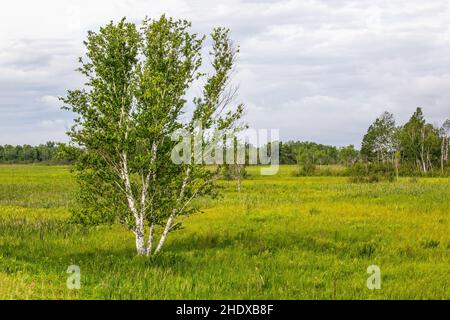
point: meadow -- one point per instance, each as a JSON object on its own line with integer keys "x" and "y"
{"x": 281, "y": 237}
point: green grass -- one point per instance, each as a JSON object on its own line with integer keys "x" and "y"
{"x": 282, "y": 237}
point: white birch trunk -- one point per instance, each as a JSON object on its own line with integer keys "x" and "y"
{"x": 150, "y": 240}
{"x": 166, "y": 231}
{"x": 446, "y": 151}
{"x": 444, "y": 146}
{"x": 140, "y": 248}
{"x": 139, "y": 228}
{"x": 173, "y": 214}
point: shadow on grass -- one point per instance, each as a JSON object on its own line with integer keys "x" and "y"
{"x": 253, "y": 243}
{"x": 40, "y": 247}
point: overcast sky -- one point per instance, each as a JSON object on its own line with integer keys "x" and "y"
{"x": 316, "y": 70}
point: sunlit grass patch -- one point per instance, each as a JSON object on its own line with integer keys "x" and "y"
{"x": 280, "y": 237}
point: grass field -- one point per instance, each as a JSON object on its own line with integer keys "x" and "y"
{"x": 282, "y": 237}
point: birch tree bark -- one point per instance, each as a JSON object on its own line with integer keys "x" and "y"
{"x": 133, "y": 102}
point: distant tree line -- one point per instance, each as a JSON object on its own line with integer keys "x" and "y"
{"x": 416, "y": 146}
{"x": 298, "y": 152}
{"x": 291, "y": 152}
{"x": 43, "y": 153}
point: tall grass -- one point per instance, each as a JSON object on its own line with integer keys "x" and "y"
{"x": 280, "y": 237}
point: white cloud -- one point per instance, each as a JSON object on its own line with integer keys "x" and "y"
{"x": 51, "y": 101}
{"x": 317, "y": 70}
{"x": 54, "y": 124}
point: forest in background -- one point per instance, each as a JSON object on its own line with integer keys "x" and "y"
{"x": 415, "y": 147}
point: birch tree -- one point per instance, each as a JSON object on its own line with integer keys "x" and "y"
{"x": 379, "y": 141}
{"x": 236, "y": 170}
{"x": 420, "y": 141}
{"x": 445, "y": 132}
{"x": 133, "y": 102}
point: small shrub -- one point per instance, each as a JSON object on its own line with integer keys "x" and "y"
{"x": 234, "y": 171}
{"x": 430, "y": 244}
{"x": 307, "y": 170}
{"x": 371, "y": 172}
{"x": 407, "y": 169}
{"x": 366, "y": 249}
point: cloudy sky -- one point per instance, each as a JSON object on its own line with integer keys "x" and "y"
{"x": 318, "y": 70}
